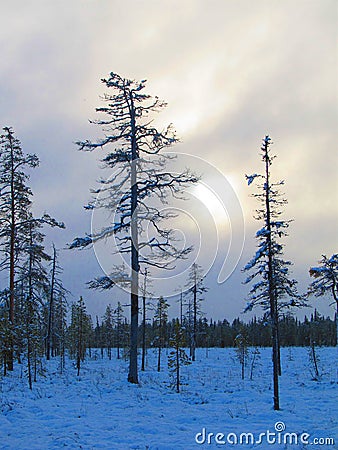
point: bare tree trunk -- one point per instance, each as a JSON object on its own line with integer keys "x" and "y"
{"x": 35, "y": 366}
{"x": 194, "y": 319}
{"x": 278, "y": 355}
{"x": 133, "y": 372}
{"x": 272, "y": 291}
{"x": 118, "y": 335}
{"x": 80, "y": 343}
{"x": 143, "y": 333}
{"x": 144, "y": 321}
{"x": 10, "y": 356}
{"x": 159, "y": 342}
{"x": 29, "y": 366}
{"x": 177, "y": 368}
{"x": 159, "y": 358}
{"x": 50, "y": 313}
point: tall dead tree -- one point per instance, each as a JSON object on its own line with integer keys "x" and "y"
{"x": 132, "y": 147}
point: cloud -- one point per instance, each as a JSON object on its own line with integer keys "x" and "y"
{"x": 231, "y": 71}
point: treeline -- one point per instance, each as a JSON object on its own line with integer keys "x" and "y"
{"x": 108, "y": 334}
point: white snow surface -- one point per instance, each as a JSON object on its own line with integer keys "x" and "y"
{"x": 101, "y": 410}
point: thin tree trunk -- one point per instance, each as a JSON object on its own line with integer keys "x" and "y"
{"x": 194, "y": 320}
{"x": 143, "y": 333}
{"x": 51, "y": 301}
{"x": 29, "y": 368}
{"x": 279, "y": 357}
{"x": 35, "y": 366}
{"x": 314, "y": 358}
{"x": 177, "y": 368}
{"x": 144, "y": 321}
{"x": 118, "y": 334}
{"x": 159, "y": 342}
{"x": 272, "y": 293}
{"x": 10, "y": 357}
{"x": 252, "y": 365}
{"x": 159, "y": 359}
{"x": 79, "y": 347}
{"x": 133, "y": 369}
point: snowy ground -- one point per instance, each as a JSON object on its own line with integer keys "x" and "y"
{"x": 100, "y": 410}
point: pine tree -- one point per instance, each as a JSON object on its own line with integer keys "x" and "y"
{"x": 255, "y": 356}
{"x": 14, "y": 213}
{"x": 107, "y": 330}
{"x": 34, "y": 283}
{"x": 195, "y": 293}
{"x": 144, "y": 318}
{"x": 177, "y": 357}
{"x": 118, "y": 318}
{"x": 275, "y": 291}
{"x": 21, "y": 241}
{"x": 326, "y": 281}
{"x": 59, "y": 327}
{"x": 134, "y": 147}
{"x": 242, "y": 352}
{"x": 79, "y": 332}
{"x": 161, "y": 319}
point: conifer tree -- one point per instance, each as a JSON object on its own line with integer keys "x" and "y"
{"x": 242, "y": 352}
{"x": 34, "y": 283}
{"x": 14, "y": 213}
{"x": 118, "y": 318}
{"x": 161, "y": 319}
{"x": 79, "y": 332}
{"x": 326, "y": 281}
{"x": 145, "y": 294}
{"x": 107, "y": 329}
{"x": 275, "y": 291}
{"x": 177, "y": 357}
{"x": 133, "y": 149}
{"x": 195, "y": 295}
{"x": 20, "y": 236}
{"x": 59, "y": 328}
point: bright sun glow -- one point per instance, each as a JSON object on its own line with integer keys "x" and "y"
{"x": 212, "y": 202}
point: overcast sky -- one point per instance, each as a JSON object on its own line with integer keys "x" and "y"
{"x": 231, "y": 72}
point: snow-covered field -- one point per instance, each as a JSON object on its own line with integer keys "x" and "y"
{"x": 100, "y": 410}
